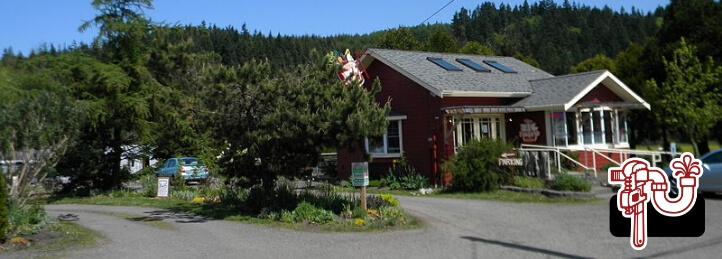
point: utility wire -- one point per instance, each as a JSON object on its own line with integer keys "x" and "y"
{"x": 442, "y": 8}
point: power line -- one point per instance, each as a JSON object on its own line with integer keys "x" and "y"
{"x": 442, "y": 8}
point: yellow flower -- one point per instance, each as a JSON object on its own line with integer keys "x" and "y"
{"x": 359, "y": 222}
{"x": 199, "y": 200}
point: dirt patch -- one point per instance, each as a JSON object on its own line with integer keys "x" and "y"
{"x": 42, "y": 238}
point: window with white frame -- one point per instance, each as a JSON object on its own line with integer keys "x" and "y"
{"x": 591, "y": 127}
{"x": 477, "y": 127}
{"x": 390, "y": 144}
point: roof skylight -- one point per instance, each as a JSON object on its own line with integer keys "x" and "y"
{"x": 444, "y": 64}
{"x": 473, "y": 65}
{"x": 499, "y": 66}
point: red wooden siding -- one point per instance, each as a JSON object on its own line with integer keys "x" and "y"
{"x": 424, "y": 120}
{"x": 600, "y": 93}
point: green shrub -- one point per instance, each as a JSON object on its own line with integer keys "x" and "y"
{"x": 414, "y": 182}
{"x": 358, "y": 213}
{"x": 393, "y": 216}
{"x": 26, "y": 220}
{"x": 402, "y": 175}
{"x": 568, "y": 164}
{"x": 284, "y": 196}
{"x": 389, "y": 199}
{"x": 565, "y": 182}
{"x": 3, "y": 208}
{"x": 605, "y": 167}
{"x": 149, "y": 185}
{"x": 186, "y": 195}
{"x": 233, "y": 197}
{"x": 375, "y": 202}
{"x": 528, "y": 182}
{"x": 475, "y": 167}
{"x": 374, "y": 183}
{"x": 307, "y": 212}
{"x": 256, "y": 201}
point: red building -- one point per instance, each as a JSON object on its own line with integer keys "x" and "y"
{"x": 440, "y": 101}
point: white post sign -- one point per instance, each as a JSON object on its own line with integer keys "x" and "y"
{"x": 163, "y": 185}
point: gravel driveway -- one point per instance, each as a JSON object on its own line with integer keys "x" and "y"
{"x": 456, "y": 228}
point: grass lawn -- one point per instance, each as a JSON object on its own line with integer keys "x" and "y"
{"x": 681, "y": 146}
{"x": 500, "y": 195}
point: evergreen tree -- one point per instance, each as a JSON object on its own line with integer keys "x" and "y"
{"x": 278, "y": 124}
{"x": 400, "y": 39}
{"x": 441, "y": 41}
{"x": 124, "y": 116}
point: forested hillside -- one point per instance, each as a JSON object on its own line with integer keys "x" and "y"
{"x": 209, "y": 90}
{"x": 558, "y": 36}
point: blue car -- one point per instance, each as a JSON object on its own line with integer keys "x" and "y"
{"x": 711, "y": 179}
{"x": 190, "y": 168}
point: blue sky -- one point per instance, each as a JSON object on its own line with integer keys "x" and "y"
{"x": 27, "y": 24}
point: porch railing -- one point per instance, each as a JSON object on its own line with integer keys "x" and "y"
{"x": 655, "y": 157}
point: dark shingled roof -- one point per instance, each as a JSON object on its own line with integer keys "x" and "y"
{"x": 414, "y": 64}
{"x": 557, "y": 91}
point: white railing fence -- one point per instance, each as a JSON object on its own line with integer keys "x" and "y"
{"x": 559, "y": 155}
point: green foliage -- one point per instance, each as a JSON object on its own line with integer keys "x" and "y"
{"x": 389, "y": 199}
{"x": 557, "y": 35}
{"x": 36, "y": 130}
{"x": 475, "y": 167}
{"x": 3, "y": 207}
{"x": 26, "y": 220}
{"x": 568, "y": 164}
{"x": 375, "y": 202}
{"x": 475, "y": 48}
{"x": 306, "y": 212}
{"x": 441, "y": 41}
{"x": 403, "y": 175}
{"x": 374, "y": 183}
{"x": 605, "y": 167}
{"x": 393, "y": 216}
{"x": 277, "y": 124}
{"x": 400, "y": 38}
{"x": 182, "y": 194}
{"x": 358, "y": 213}
{"x": 565, "y": 182}
{"x": 528, "y": 182}
{"x": 687, "y": 101}
{"x": 598, "y": 62}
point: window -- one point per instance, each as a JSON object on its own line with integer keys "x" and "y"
{"x": 499, "y": 66}
{"x": 473, "y": 65}
{"x": 559, "y": 126}
{"x": 477, "y": 127}
{"x": 716, "y": 158}
{"x": 444, "y": 64}
{"x": 621, "y": 122}
{"x": 390, "y": 144}
{"x": 595, "y": 126}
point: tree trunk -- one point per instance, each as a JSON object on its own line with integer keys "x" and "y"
{"x": 703, "y": 146}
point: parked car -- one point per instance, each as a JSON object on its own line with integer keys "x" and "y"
{"x": 190, "y": 168}
{"x": 711, "y": 179}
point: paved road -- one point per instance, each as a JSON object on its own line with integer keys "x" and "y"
{"x": 456, "y": 228}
